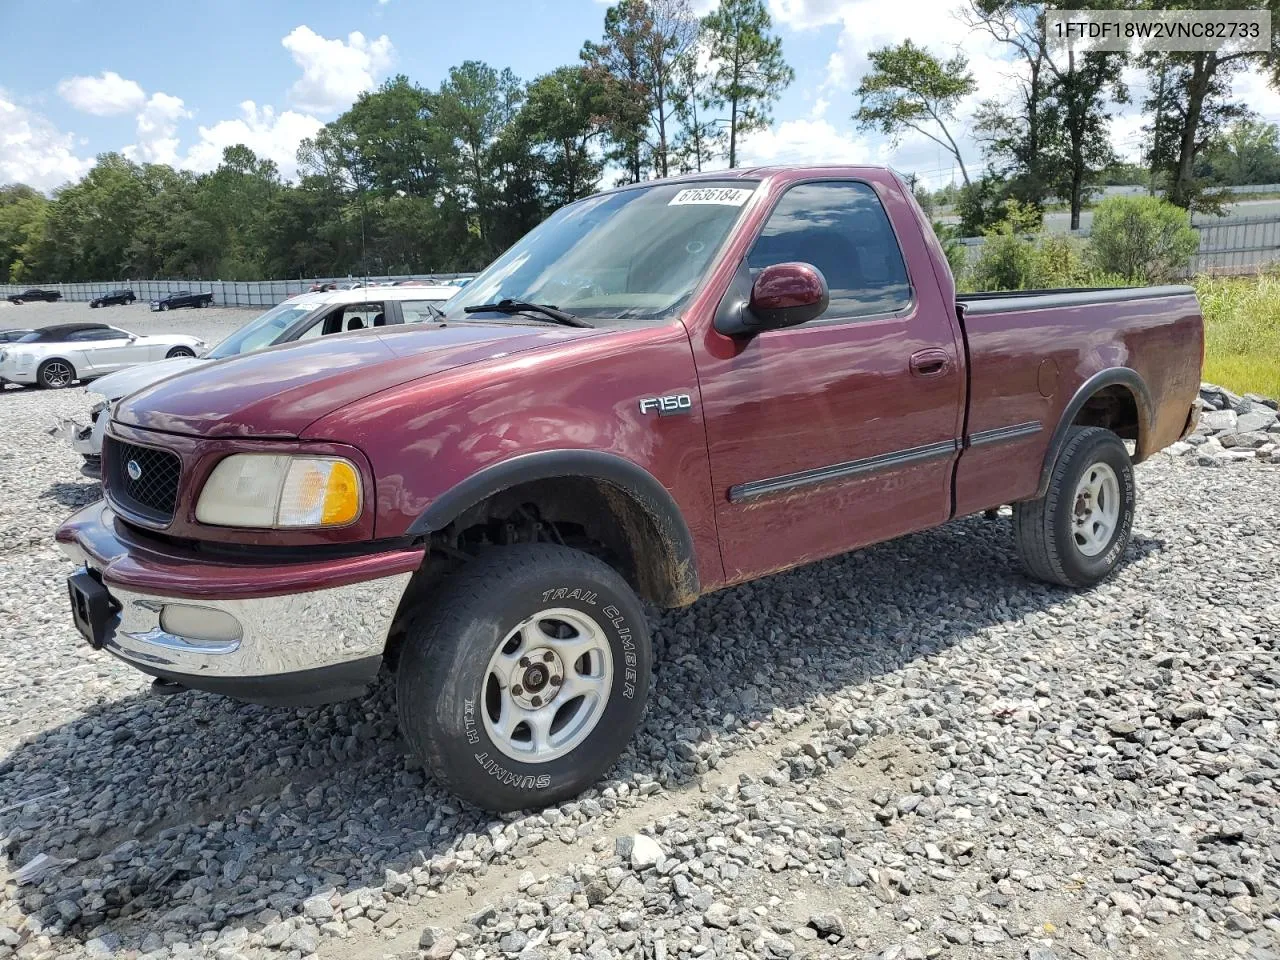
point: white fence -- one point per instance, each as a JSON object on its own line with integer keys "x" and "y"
{"x": 228, "y": 293}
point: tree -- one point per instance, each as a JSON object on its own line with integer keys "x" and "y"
{"x": 700, "y": 138}
{"x": 1011, "y": 130}
{"x": 1142, "y": 238}
{"x": 749, "y": 72}
{"x": 1247, "y": 152}
{"x": 1192, "y": 102}
{"x": 637, "y": 61}
{"x": 1077, "y": 141}
{"x": 22, "y": 223}
{"x": 561, "y": 119}
{"x": 475, "y": 104}
{"x": 909, "y": 88}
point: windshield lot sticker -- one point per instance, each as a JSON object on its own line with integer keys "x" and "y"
{"x": 724, "y": 196}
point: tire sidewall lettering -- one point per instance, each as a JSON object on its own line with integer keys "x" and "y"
{"x": 617, "y": 627}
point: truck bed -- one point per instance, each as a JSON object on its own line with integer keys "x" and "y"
{"x": 1003, "y": 301}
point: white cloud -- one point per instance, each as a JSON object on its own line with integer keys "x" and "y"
{"x": 808, "y": 141}
{"x": 157, "y": 130}
{"x": 268, "y": 134}
{"x": 33, "y": 151}
{"x": 102, "y": 96}
{"x": 335, "y": 72}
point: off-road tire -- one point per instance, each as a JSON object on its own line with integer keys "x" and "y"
{"x": 1043, "y": 529}
{"x": 441, "y": 676}
{"x": 43, "y": 374}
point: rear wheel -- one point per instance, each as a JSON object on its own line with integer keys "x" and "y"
{"x": 525, "y": 677}
{"x": 55, "y": 374}
{"x": 1077, "y": 533}
{"x": 180, "y": 352}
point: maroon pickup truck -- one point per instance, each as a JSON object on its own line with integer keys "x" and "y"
{"x": 661, "y": 391}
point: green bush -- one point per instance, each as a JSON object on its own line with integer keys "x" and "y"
{"x": 1011, "y": 260}
{"x": 957, "y": 253}
{"x": 1144, "y": 238}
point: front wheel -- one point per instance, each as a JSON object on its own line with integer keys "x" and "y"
{"x": 1076, "y": 534}
{"x": 525, "y": 677}
{"x": 180, "y": 352}
{"x": 55, "y": 374}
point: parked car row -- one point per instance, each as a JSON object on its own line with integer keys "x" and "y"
{"x": 303, "y": 317}
{"x": 662, "y": 390}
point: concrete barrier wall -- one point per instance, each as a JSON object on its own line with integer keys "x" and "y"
{"x": 227, "y": 293}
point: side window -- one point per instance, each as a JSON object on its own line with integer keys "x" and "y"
{"x": 363, "y": 316}
{"x": 420, "y": 311}
{"x": 82, "y": 335}
{"x": 312, "y": 332}
{"x": 841, "y": 228}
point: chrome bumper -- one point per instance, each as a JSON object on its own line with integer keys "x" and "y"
{"x": 251, "y": 639}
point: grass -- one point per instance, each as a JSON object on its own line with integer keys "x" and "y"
{"x": 1242, "y": 332}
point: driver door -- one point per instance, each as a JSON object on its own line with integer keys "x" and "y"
{"x": 107, "y": 350}
{"x": 833, "y": 434}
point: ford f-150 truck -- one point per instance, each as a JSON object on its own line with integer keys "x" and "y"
{"x": 662, "y": 390}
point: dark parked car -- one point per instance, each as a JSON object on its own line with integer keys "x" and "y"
{"x": 184, "y": 298}
{"x": 35, "y": 293}
{"x": 13, "y": 336}
{"x": 116, "y": 298}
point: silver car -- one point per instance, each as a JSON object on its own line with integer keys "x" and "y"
{"x": 302, "y": 317}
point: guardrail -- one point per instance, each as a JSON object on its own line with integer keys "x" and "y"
{"x": 228, "y": 293}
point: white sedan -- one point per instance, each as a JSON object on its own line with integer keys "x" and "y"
{"x": 59, "y": 355}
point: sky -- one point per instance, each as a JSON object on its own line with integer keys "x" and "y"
{"x": 178, "y": 82}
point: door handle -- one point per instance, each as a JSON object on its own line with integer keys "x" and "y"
{"x": 930, "y": 363}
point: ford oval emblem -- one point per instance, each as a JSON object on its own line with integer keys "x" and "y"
{"x": 134, "y": 471}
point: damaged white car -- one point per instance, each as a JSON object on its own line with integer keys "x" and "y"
{"x": 299, "y": 318}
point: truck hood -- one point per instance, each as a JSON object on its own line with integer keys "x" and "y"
{"x": 278, "y": 393}
{"x": 124, "y": 382}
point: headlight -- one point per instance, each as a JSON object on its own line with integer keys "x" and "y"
{"x": 265, "y": 490}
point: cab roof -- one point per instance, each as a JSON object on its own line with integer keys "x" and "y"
{"x": 438, "y": 293}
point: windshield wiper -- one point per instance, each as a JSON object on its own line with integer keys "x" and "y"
{"x": 548, "y": 310}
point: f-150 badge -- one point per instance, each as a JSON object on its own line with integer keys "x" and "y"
{"x": 667, "y": 406}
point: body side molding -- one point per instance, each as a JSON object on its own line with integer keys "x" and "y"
{"x": 838, "y": 471}
{"x": 1016, "y": 431}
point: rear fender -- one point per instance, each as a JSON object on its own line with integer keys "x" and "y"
{"x": 1111, "y": 377}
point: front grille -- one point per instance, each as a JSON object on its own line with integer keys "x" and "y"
{"x": 153, "y": 492}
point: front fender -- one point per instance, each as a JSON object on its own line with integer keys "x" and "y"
{"x": 629, "y": 478}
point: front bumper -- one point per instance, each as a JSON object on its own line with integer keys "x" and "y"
{"x": 86, "y": 441}
{"x": 286, "y": 634}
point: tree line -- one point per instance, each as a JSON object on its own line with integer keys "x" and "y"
{"x": 412, "y": 179}
{"x": 1050, "y": 137}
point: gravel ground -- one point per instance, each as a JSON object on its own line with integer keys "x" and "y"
{"x": 911, "y": 751}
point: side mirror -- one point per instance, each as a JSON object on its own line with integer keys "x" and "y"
{"x": 788, "y": 294}
{"x": 783, "y": 295}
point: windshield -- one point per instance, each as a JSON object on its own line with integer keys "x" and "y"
{"x": 634, "y": 254}
{"x": 260, "y": 332}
